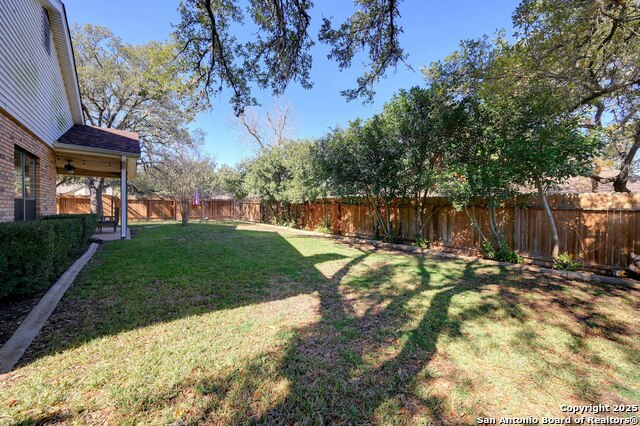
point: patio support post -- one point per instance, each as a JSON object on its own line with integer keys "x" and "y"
{"x": 123, "y": 197}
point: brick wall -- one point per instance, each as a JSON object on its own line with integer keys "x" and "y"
{"x": 12, "y": 134}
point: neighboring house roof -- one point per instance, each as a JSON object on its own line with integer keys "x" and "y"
{"x": 62, "y": 40}
{"x": 101, "y": 139}
{"x": 581, "y": 185}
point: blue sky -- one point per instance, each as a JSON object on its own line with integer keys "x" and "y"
{"x": 432, "y": 30}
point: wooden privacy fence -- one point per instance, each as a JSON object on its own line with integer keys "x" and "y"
{"x": 148, "y": 209}
{"x": 601, "y": 229}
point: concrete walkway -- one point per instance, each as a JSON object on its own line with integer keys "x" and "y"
{"x": 16, "y": 346}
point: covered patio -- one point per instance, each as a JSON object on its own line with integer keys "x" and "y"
{"x": 98, "y": 152}
{"x": 106, "y": 236}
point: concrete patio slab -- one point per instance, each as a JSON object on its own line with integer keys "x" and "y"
{"x": 15, "y": 347}
{"x": 108, "y": 235}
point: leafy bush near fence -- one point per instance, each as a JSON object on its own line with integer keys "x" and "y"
{"x": 502, "y": 254}
{"x": 565, "y": 262}
{"x": 33, "y": 254}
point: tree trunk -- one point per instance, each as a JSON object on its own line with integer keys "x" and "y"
{"x": 274, "y": 214}
{"x": 555, "y": 244}
{"x": 184, "y": 211}
{"x": 375, "y": 216}
{"x": 594, "y": 182}
{"x": 424, "y": 220}
{"x": 96, "y": 189}
{"x": 620, "y": 184}
{"x": 93, "y": 199}
{"x": 387, "y": 217}
{"x": 417, "y": 220}
{"x": 493, "y": 224}
{"x": 474, "y": 223}
{"x": 380, "y": 221}
{"x": 620, "y": 181}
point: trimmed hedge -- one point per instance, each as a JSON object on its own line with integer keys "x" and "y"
{"x": 34, "y": 253}
{"x": 89, "y": 222}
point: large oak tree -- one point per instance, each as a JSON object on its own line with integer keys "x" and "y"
{"x": 140, "y": 88}
{"x": 589, "y": 51}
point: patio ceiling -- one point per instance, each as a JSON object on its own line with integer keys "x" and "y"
{"x": 94, "y": 151}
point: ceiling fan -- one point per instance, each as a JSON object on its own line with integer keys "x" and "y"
{"x": 70, "y": 168}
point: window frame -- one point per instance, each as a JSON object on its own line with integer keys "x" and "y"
{"x": 26, "y": 198}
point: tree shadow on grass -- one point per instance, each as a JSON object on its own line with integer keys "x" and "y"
{"x": 381, "y": 323}
{"x": 358, "y": 363}
{"x": 369, "y": 389}
{"x": 172, "y": 273}
{"x": 361, "y": 365}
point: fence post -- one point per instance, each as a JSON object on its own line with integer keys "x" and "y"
{"x": 516, "y": 228}
{"x": 431, "y": 220}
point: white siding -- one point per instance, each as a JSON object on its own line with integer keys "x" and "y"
{"x": 32, "y": 88}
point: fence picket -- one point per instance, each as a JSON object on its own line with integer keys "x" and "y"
{"x": 604, "y": 228}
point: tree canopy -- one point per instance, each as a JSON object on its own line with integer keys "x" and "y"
{"x": 279, "y": 51}
{"x": 283, "y": 174}
{"x": 140, "y": 88}
{"x": 586, "y": 53}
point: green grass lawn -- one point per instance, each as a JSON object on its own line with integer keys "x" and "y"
{"x": 231, "y": 323}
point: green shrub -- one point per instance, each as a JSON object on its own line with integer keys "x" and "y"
{"x": 34, "y": 253}
{"x": 68, "y": 241}
{"x": 325, "y": 225}
{"x": 504, "y": 254}
{"x": 565, "y": 262}
{"x": 421, "y": 242}
{"x": 89, "y": 222}
{"x": 26, "y": 262}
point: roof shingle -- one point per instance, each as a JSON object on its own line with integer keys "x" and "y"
{"x": 102, "y": 138}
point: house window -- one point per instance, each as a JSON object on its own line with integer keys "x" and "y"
{"x": 46, "y": 31}
{"x": 24, "y": 185}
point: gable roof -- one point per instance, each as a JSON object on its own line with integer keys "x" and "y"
{"x": 106, "y": 140}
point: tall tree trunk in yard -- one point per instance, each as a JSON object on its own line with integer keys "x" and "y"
{"x": 374, "y": 211}
{"x": 381, "y": 225}
{"x": 417, "y": 220}
{"x": 274, "y": 214}
{"x": 184, "y": 211}
{"x": 597, "y": 169}
{"x": 555, "y": 242}
{"x": 387, "y": 216}
{"x": 96, "y": 189}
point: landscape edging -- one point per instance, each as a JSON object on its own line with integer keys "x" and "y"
{"x": 23, "y": 336}
{"x": 569, "y": 275}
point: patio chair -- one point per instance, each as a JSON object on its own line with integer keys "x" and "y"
{"x": 109, "y": 220}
